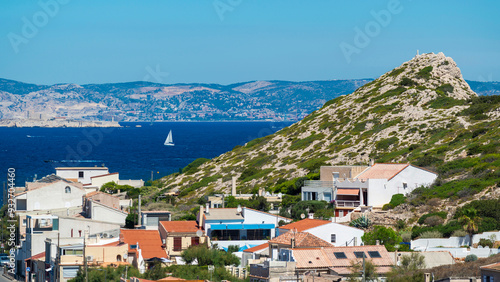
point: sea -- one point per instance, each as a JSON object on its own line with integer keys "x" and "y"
{"x": 135, "y": 150}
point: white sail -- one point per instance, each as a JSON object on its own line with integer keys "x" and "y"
{"x": 169, "y": 141}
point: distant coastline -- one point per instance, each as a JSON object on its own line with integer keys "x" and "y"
{"x": 55, "y": 123}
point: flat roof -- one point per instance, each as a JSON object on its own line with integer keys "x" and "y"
{"x": 82, "y": 168}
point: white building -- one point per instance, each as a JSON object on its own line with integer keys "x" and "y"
{"x": 244, "y": 226}
{"x": 81, "y": 174}
{"x": 48, "y": 193}
{"x": 337, "y": 234}
{"x": 373, "y": 187}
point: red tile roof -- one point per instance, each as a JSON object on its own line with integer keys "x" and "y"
{"x": 302, "y": 240}
{"x": 325, "y": 258}
{"x": 40, "y": 255}
{"x": 493, "y": 267}
{"x": 103, "y": 175}
{"x": 257, "y": 248}
{"x": 149, "y": 242}
{"x": 382, "y": 171}
{"x": 180, "y": 226}
{"x": 304, "y": 224}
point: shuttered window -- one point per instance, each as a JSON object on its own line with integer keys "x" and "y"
{"x": 70, "y": 271}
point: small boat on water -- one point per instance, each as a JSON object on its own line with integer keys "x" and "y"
{"x": 169, "y": 141}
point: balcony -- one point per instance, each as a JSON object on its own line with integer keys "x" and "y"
{"x": 347, "y": 204}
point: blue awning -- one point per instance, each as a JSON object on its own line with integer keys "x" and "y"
{"x": 217, "y": 226}
{"x": 250, "y": 226}
{"x": 266, "y": 226}
{"x": 235, "y": 226}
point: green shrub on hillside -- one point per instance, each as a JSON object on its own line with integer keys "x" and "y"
{"x": 384, "y": 144}
{"x": 390, "y": 93}
{"x": 441, "y": 214}
{"x": 193, "y": 166}
{"x": 299, "y": 144}
{"x": 425, "y": 73}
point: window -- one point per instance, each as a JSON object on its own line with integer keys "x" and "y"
{"x": 118, "y": 258}
{"x": 133, "y": 246}
{"x": 340, "y": 255}
{"x": 405, "y": 185}
{"x": 374, "y": 254}
{"x": 177, "y": 244}
{"x": 333, "y": 238}
{"x": 80, "y": 174}
{"x": 67, "y": 190}
{"x": 359, "y": 254}
{"x": 195, "y": 241}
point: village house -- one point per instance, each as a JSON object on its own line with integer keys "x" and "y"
{"x": 240, "y": 226}
{"x": 334, "y": 233}
{"x": 177, "y": 236}
{"x": 145, "y": 247}
{"x": 150, "y": 220}
{"x": 50, "y": 192}
{"x": 352, "y": 188}
{"x": 103, "y": 207}
{"x": 334, "y": 261}
{"x": 490, "y": 272}
{"x": 280, "y": 245}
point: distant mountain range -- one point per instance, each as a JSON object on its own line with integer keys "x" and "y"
{"x": 146, "y": 101}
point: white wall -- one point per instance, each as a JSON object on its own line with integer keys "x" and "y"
{"x": 54, "y": 196}
{"x": 70, "y": 173}
{"x": 104, "y": 213}
{"x": 101, "y": 180}
{"x": 343, "y": 233}
{"x": 380, "y": 191}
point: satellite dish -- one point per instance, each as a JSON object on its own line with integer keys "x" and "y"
{"x": 199, "y": 233}
{"x": 125, "y": 256}
{"x": 302, "y": 215}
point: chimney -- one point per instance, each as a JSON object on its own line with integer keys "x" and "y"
{"x": 139, "y": 219}
{"x": 207, "y": 208}
{"x": 377, "y": 242}
{"x": 200, "y": 216}
{"x": 292, "y": 242}
{"x": 355, "y": 241}
{"x": 261, "y": 191}
{"x": 233, "y": 186}
{"x": 372, "y": 162}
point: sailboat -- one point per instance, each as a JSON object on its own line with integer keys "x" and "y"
{"x": 169, "y": 141}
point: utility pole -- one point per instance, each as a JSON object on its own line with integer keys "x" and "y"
{"x": 85, "y": 258}
{"x": 363, "y": 279}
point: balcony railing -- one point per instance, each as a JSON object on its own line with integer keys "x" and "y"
{"x": 347, "y": 204}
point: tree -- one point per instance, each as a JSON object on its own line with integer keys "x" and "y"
{"x": 409, "y": 269}
{"x": 131, "y": 220}
{"x": 206, "y": 256}
{"x": 470, "y": 221}
{"x": 386, "y": 236}
{"x": 357, "y": 271}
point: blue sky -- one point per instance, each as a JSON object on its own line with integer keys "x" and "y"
{"x": 228, "y": 41}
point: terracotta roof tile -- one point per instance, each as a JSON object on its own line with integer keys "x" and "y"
{"x": 257, "y": 248}
{"x": 493, "y": 267}
{"x": 180, "y": 226}
{"x": 37, "y": 256}
{"x": 310, "y": 258}
{"x": 382, "y": 171}
{"x": 304, "y": 224}
{"x": 302, "y": 240}
{"x": 149, "y": 242}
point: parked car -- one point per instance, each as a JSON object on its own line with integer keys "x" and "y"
{"x": 4, "y": 260}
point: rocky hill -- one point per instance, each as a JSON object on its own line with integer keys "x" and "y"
{"x": 422, "y": 112}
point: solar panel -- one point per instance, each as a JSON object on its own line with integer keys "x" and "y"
{"x": 359, "y": 254}
{"x": 340, "y": 255}
{"x": 374, "y": 254}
